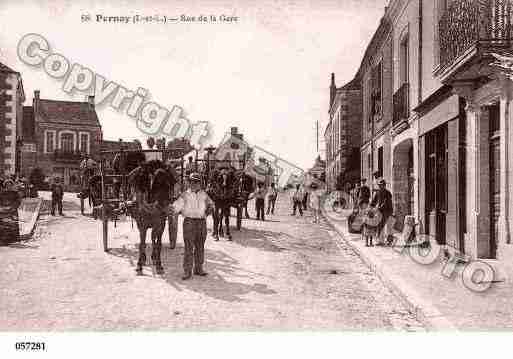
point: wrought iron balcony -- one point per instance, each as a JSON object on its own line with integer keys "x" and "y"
{"x": 67, "y": 156}
{"x": 401, "y": 104}
{"x": 474, "y": 24}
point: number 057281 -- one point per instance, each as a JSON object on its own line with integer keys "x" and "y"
{"x": 30, "y": 346}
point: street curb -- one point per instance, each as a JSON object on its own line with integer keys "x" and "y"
{"x": 424, "y": 311}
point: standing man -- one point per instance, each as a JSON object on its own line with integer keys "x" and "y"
{"x": 57, "y": 195}
{"x": 271, "y": 198}
{"x": 195, "y": 205}
{"x": 189, "y": 167}
{"x": 260, "y": 201}
{"x": 363, "y": 194}
{"x": 315, "y": 201}
{"x": 297, "y": 200}
{"x": 382, "y": 201}
{"x": 305, "y": 198}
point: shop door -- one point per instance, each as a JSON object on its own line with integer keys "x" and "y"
{"x": 494, "y": 178}
{"x": 436, "y": 183}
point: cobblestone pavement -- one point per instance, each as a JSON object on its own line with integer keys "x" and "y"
{"x": 282, "y": 274}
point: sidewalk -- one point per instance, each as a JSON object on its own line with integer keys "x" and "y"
{"x": 441, "y": 303}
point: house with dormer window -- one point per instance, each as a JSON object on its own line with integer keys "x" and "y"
{"x": 56, "y": 135}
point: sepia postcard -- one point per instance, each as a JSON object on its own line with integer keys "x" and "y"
{"x": 198, "y": 172}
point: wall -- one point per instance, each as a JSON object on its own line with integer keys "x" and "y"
{"x": 10, "y": 103}
{"x": 429, "y": 47}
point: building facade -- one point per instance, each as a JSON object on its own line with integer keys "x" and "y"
{"x": 12, "y": 97}
{"x": 437, "y": 96}
{"x": 375, "y": 74}
{"x": 57, "y": 135}
{"x": 343, "y": 134}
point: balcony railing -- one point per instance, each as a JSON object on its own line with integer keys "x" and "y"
{"x": 474, "y": 23}
{"x": 67, "y": 156}
{"x": 401, "y": 104}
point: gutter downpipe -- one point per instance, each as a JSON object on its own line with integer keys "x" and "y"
{"x": 419, "y": 96}
{"x": 420, "y": 55}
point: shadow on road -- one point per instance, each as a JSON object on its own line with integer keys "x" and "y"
{"x": 218, "y": 265}
{"x": 259, "y": 239}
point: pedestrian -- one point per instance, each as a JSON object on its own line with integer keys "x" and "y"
{"x": 189, "y": 167}
{"x": 272, "y": 194}
{"x": 363, "y": 194}
{"x": 315, "y": 201}
{"x": 195, "y": 205}
{"x": 382, "y": 201}
{"x": 57, "y": 195}
{"x": 259, "y": 196}
{"x": 304, "y": 202}
{"x": 297, "y": 200}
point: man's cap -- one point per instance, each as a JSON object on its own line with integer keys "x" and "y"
{"x": 382, "y": 182}
{"x": 364, "y": 179}
{"x": 195, "y": 177}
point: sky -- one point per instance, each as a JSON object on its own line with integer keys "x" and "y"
{"x": 267, "y": 73}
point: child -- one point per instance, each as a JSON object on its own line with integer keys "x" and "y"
{"x": 315, "y": 201}
{"x": 57, "y": 194}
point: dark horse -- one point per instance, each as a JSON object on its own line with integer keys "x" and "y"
{"x": 228, "y": 188}
{"x": 152, "y": 183}
{"x": 221, "y": 190}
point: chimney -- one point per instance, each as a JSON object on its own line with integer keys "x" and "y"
{"x": 90, "y": 100}
{"x": 333, "y": 89}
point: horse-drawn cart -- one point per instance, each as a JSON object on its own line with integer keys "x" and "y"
{"x": 112, "y": 191}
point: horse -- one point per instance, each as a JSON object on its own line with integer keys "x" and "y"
{"x": 221, "y": 190}
{"x": 245, "y": 186}
{"x": 151, "y": 208}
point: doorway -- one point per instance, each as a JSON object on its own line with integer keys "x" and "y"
{"x": 494, "y": 137}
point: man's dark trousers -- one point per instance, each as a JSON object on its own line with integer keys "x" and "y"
{"x": 260, "y": 207}
{"x": 298, "y": 204}
{"x": 56, "y": 202}
{"x": 194, "y": 236}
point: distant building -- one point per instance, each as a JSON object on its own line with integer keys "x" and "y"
{"x": 343, "y": 134}
{"x": 318, "y": 170}
{"x": 233, "y": 150}
{"x": 56, "y": 135}
{"x": 12, "y": 97}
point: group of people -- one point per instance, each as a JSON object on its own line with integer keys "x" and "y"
{"x": 382, "y": 202}
{"x": 303, "y": 199}
{"x": 260, "y": 195}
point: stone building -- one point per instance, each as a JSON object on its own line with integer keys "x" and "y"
{"x": 375, "y": 74}
{"x": 437, "y": 109}
{"x": 343, "y": 134}
{"x": 12, "y": 97}
{"x": 56, "y": 135}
